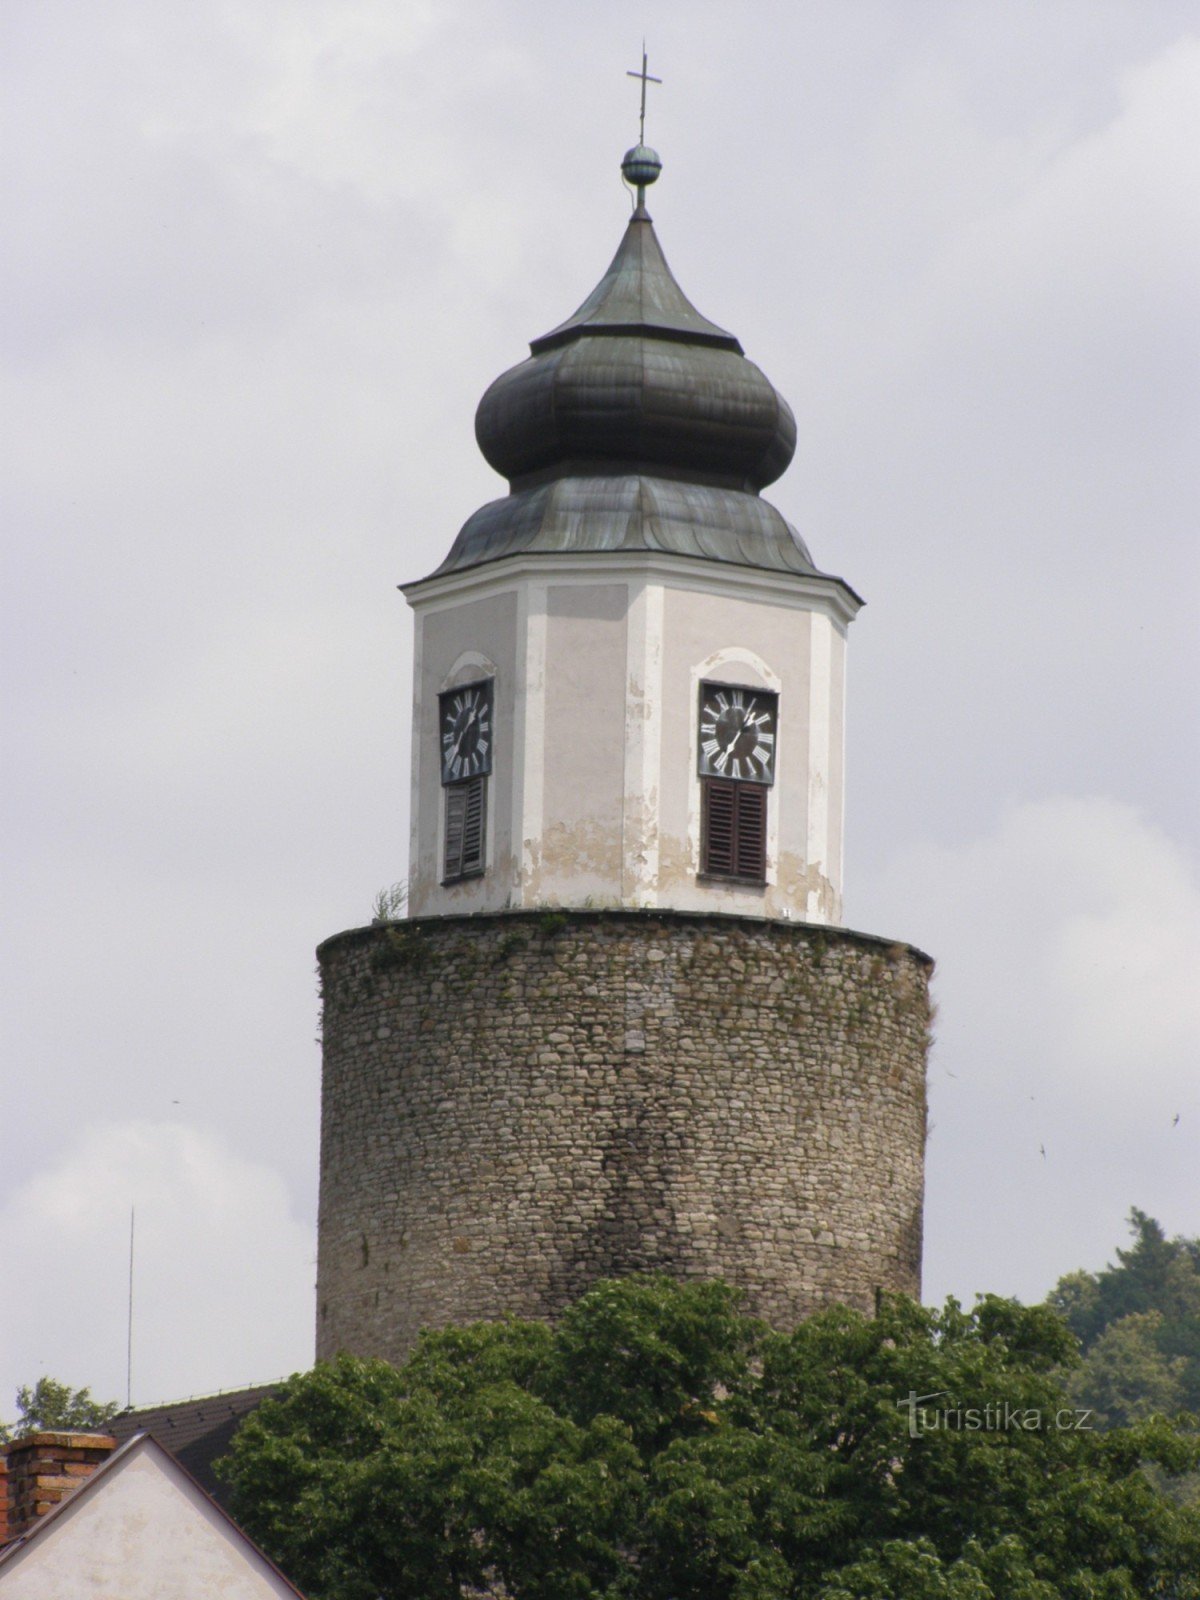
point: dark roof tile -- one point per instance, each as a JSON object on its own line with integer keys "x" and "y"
{"x": 196, "y": 1432}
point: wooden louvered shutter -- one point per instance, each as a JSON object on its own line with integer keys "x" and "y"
{"x": 750, "y": 832}
{"x": 456, "y": 816}
{"x": 466, "y": 815}
{"x": 717, "y": 825}
{"x": 472, "y": 849}
{"x": 733, "y": 826}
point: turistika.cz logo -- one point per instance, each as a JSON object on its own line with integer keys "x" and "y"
{"x": 996, "y": 1416}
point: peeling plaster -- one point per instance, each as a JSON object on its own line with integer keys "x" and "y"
{"x": 595, "y": 797}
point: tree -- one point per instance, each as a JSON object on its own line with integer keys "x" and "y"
{"x": 658, "y": 1444}
{"x": 1125, "y": 1376}
{"x": 51, "y": 1405}
{"x": 1132, "y": 1365}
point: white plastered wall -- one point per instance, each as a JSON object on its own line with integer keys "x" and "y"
{"x": 141, "y": 1530}
{"x": 594, "y": 797}
{"x": 471, "y": 638}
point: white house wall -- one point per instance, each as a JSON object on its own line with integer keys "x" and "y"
{"x": 142, "y": 1530}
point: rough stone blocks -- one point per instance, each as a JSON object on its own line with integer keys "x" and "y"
{"x": 518, "y": 1104}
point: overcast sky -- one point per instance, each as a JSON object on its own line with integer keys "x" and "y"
{"x": 262, "y": 260}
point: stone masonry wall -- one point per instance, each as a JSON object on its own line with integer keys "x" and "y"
{"x": 516, "y": 1105}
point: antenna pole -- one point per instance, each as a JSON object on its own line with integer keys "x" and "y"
{"x": 129, "y": 1325}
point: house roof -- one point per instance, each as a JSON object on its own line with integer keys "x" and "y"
{"x": 164, "y": 1537}
{"x": 197, "y": 1432}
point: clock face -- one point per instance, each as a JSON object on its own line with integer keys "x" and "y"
{"x": 737, "y": 733}
{"x": 466, "y": 731}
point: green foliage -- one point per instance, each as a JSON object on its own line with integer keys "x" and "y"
{"x": 51, "y": 1406}
{"x": 1139, "y": 1325}
{"x": 389, "y": 903}
{"x": 658, "y": 1444}
{"x": 651, "y": 1353}
{"x": 372, "y": 1482}
{"x": 1126, "y": 1377}
{"x": 508, "y": 945}
{"x": 1076, "y": 1298}
{"x": 913, "y": 1569}
{"x": 400, "y": 946}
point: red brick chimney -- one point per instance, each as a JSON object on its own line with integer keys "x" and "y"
{"x": 43, "y": 1468}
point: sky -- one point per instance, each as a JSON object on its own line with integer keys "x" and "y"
{"x": 262, "y": 261}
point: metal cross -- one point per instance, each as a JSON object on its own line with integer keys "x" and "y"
{"x": 646, "y": 78}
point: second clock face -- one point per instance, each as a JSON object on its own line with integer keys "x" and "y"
{"x": 737, "y": 733}
{"x": 466, "y": 731}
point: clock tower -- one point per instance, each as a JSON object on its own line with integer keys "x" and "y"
{"x": 622, "y": 1027}
{"x": 629, "y": 683}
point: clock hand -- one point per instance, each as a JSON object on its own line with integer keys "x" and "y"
{"x": 463, "y": 732}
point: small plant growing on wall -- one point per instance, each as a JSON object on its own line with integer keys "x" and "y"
{"x": 510, "y": 943}
{"x": 389, "y": 904}
{"x": 400, "y": 947}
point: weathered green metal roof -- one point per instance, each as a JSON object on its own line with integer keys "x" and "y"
{"x": 638, "y": 294}
{"x": 627, "y": 512}
{"x": 636, "y": 424}
{"x": 628, "y": 401}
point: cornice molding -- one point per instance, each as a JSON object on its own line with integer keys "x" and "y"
{"x": 803, "y": 592}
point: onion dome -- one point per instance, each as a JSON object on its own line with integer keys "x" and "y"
{"x": 635, "y": 424}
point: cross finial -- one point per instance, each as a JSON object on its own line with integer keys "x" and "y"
{"x": 646, "y": 78}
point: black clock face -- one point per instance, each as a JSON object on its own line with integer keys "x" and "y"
{"x": 737, "y": 733}
{"x": 466, "y": 731}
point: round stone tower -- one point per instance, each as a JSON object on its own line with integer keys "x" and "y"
{"x": 621, "y": 1028}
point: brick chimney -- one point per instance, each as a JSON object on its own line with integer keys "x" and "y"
{"x": 43, "y": 1468}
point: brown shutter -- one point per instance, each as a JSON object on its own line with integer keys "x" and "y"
{"x": 733, "y": 827}
{"x": 750, "y": 845}
{"x": 717, "y": 825}
{"x": 472, "y": 850}
{"x": 456, "y": 816}
{"x": 466, "y": 814}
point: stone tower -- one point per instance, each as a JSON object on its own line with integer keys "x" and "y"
{"x": 622, "y": 1028}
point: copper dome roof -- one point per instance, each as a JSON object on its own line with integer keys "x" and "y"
{"x": 638, "y": 378}
{"x": 636, "y": 424}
